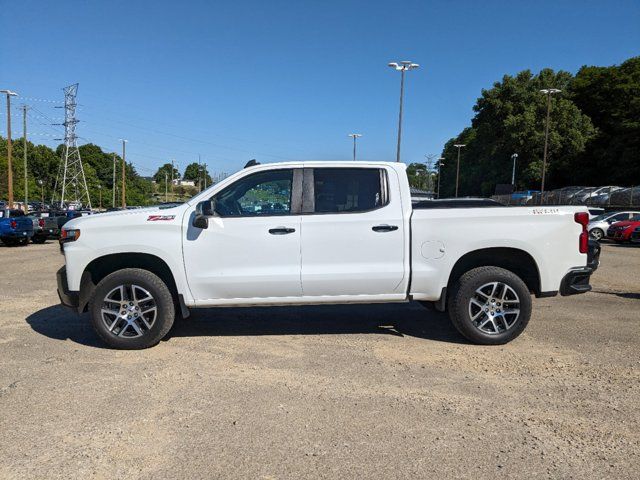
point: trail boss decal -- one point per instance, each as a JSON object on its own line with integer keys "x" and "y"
{"x": 545, "y": 211}
{"x": 160, "y": 218}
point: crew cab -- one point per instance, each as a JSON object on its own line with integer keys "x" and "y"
{"x": 15, "y": 228}
{"x": 320, "y": 233}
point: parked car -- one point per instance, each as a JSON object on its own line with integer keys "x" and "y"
{"x": 62, "y": 217}
{"x": 587, "y": 196}
{"x": 599, "y": 225}
{"x": 350, "y": 236}
{"x": 621, "y": 231}
{"x": 626, "y": 196}
{"x": 595, "y": 212}
{"x": 564, "y": 195}
{"x": 522, "y": 197}
{"x": 44, "y": 227}
{"x": 15, "y": 228}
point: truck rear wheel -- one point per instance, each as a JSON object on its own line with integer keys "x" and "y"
{"x": 132, "y": 309}
{"x": 490, "y": 305}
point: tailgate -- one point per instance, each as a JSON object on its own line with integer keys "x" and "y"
{"x": 23, "y": 224}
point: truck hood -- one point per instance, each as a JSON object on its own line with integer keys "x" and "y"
{"x": 127, "y": 217}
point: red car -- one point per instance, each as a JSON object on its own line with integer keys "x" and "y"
{"x": 621, "y": 231}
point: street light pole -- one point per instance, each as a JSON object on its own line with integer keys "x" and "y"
{"x": 548, "y": 92}
{"x": 9, "y": 94}
{"x": 459, "y": 146}
{"x": 402, "y": 67}
{"x": 124, "y": 165}
{"x": 113, "y": 184}
{"x": 41, "y": 183}
{"x": 514, "y": 157}
{"x": 355, "y": 136}
{"x": 440, "y": 165}
{"x": 24, "y": 156}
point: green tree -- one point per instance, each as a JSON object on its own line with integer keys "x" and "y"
{"x": 611, "y": 98}
{"x": 167, "y": 169}
{"x": 196, "y": 172}
{"x": 417, "y": 174}
{"x": 43, "y": 164}
{"x": 510, "y": 118}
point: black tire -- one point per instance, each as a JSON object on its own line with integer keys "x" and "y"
{"x": 23, "y": 241}
{"x": 164, "y": 303}
{"x": 9, "y": 242}
{"x": 38, "y": 239}
{"x": 596, "y": 234}
{"x": 465, "y": 288}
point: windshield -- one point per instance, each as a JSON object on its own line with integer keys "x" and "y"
{"x": 599, "y": 218}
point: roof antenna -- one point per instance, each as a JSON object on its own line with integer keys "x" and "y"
{"x": 252, "y": 163}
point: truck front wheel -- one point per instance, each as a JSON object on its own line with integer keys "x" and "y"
{"x": 490, "y": 305}
{"x": 132, "y": 309}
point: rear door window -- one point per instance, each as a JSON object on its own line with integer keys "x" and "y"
{"x": 348, "y": 190}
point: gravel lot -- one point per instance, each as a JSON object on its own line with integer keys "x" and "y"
{"x": 376, "y": 391}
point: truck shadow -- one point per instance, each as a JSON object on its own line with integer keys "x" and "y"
{"x": 398, "y": 320}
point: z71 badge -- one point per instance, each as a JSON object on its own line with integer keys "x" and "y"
{"x": 160, "y": 218}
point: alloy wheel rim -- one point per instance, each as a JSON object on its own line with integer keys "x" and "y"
{"x": 494, "y": 308}
{"x": 596, "y": 234}
{"x": 129, "y": 311}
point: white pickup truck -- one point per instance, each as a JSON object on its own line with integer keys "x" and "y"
{"x": 320, "y": 233}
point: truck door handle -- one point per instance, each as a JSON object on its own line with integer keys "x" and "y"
{"x": 281, "y": 230}
{"x": 384, "y": 228}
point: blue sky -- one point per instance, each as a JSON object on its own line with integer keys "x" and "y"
{"x": 277, "y": 80}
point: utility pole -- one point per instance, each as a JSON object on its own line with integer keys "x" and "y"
{"x": 9, "y": 94}
{"x": 514, "y": 157}
{"x": 172, "y": 167}
{"x": 205, "y": 176}
{"x": 459, "y": 146}
{"x": 355, "y": 136}
{"x": 548, "y": 92}
{"x": 166, "y": 189}
{"x": 24, "y": 135}
{"x": 402, "y": 67}
{"x": 124, "y": 164}
{"x": 429, "y": 165}
{"x": 100, "y": 193}
{"x": 440, "y": 165}
{"x": 113, "y": 184}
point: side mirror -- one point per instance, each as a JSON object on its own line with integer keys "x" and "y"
{"x": 204, "y": 211}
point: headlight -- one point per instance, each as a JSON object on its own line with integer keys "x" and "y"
{"x": 70, "y": 235}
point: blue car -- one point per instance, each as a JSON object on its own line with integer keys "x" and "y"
{"x": 15, "y": 227}
{"x": 523, "y": 196}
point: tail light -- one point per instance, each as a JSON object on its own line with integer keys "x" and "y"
{"x": 583, "y": 219}
{"x": 41, "y": 223}
{"x": 13, "y": 224}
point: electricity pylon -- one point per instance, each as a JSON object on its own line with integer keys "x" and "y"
{"x": 73, "y": 182}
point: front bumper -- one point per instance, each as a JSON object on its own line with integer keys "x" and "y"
{"x": 67, "y": 298}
